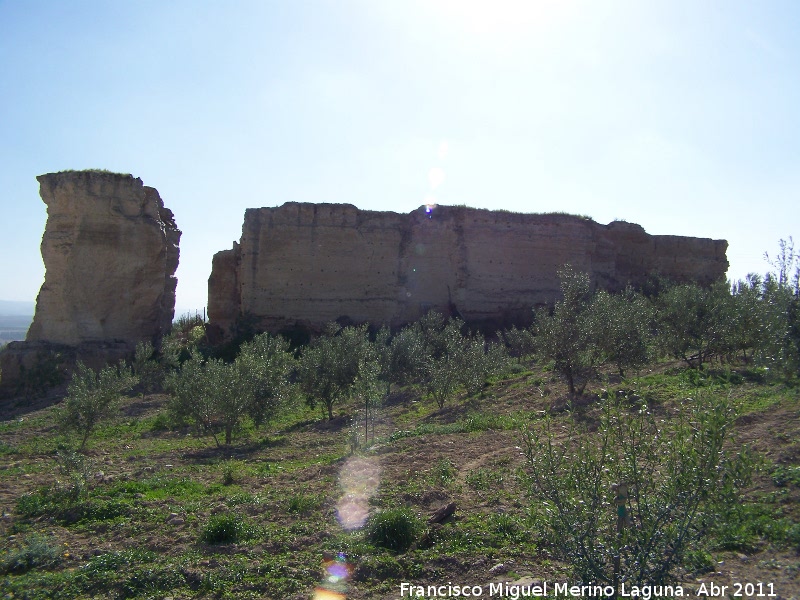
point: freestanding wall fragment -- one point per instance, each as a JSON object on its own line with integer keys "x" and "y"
{"x": 307, "y": 264}
{"x": 110, "y": 250}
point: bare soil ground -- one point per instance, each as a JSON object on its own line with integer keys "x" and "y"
{"x": 286, "y": 483}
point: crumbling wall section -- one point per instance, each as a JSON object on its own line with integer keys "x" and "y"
{"x": 308, "y": 264}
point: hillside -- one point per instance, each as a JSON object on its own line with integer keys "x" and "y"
{"x": 13, "y": 327}
{"x": 142, "y": 528}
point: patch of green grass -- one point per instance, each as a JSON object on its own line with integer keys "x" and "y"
{"x": 231, "y": 470}
{"x": 226, "y": 529}
{"x": 116, "y": 561}
{"x": 66, "y": 506}
{"x": 785, "y": 475}
{"x": 149, "y": 580}
{"x": 7, "y": 449}
{"x": 699, "y": 562}
{"x": 763, "y": 398}
{"x": 506, "y": 527}
{"x": 484, "y": 479}
{"x": 243, "y": 499}
{"x": 749, "y": 523}
{"x": 303, "y": 503}
{"x": 443, "y": 472}
{"x": 394, "y": 529}
{"x": 159, "y": 487}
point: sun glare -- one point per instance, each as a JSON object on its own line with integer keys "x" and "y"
{"x": 501, "y": 17}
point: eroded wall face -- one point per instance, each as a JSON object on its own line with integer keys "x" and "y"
{"x": 110, "y": 250}
{"x": 309, "y": 264}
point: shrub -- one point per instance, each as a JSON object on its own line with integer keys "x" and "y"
{"x": 65, "y": 494}
{"x": 147, "y": 368}
{"x": 456, "y": 361}
{"x": 230, "y": 472}
{"x": 216, "y": 396}
{"x": 783, "y": 475}
{"x": 506, "y": 527}
{"x": 443, "y": 472}
{"x": 302, "y": 503}
{"x": 264, "y": 366}
{"x": 35, "y": 551}
{"x": 225, "y": 529}
{"x": 407, "y": 356}
{"x": 681, "y": 477}
{"x": 394, "y": 529}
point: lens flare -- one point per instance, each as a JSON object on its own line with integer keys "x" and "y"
{"x": 323, "y": 594}
{"x": 359, "y": 480}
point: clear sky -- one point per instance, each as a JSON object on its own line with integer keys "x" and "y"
{"x": 681, "y": 116}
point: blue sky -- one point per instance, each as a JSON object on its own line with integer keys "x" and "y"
{"x": 678, "y": 115}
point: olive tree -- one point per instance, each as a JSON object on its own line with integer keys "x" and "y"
{"x": 147, "y": 368}
{"x": 695, "y": 321}
{"x": 681, "y": 476}
{"x": 620, "y": 325}
{"x": 566, "y": 336}
{"x": 407, "y": 356}
{"x": 205, "y": 394}
{"x": 215, "y": 396}
{"x": 330, "y": 366}
{"x": 453, "y": 360}
{"x": 520, "y": 341}
{"x": 92, "y": 397}
{"x": 264, "y": 367}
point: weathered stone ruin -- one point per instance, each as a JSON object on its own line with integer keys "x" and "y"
{"x": 303, "y": 265}
{"x": 110, "y": 250}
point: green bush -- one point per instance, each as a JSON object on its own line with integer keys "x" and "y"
{"x": 302, "y": 503}
{"x": 696, "y": 323}
{"x": 784, "y": 475}
{"x": 225, "y": 529}
{"x": 230, "y": 472}
{"x": 66, "y": 494}
{"x": 506, "y": 527}
{"x": 682, "y": 478}
{"x": 699, "y": 562}
{"x": 443, "y": 472}
{"x": 394, "y": 529}
{"x": 484, "y": 479}
{"x": 35, "y": 551}
{"x": 521, "y": 342}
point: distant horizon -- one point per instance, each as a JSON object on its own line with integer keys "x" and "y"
{"x": 20, "y": 308}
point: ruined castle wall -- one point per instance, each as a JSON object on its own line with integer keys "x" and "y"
{"x": 110, "y": 250}
{"x": 312, "y": 263}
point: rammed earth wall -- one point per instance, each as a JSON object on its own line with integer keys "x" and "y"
{"x": 308, "y": 264}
